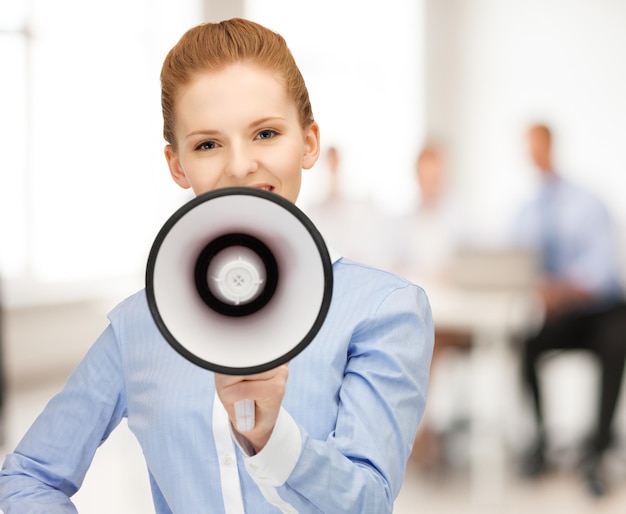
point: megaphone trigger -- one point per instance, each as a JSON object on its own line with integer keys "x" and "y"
{"x": 244, "y": 414}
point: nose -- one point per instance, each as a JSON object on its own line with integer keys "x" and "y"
{"x": 241, "y": 162}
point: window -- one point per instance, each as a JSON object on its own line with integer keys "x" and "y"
{"x": 84, "y": 186}
{"x": 13, "y": 134}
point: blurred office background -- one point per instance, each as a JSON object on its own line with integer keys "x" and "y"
{"x": 84, "y": 186}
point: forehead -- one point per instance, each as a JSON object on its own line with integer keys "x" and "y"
{"x": 232, "y": 85}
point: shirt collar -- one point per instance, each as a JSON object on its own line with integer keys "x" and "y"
{"x": 334, "y": 254}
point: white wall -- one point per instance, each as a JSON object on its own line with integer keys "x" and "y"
{"x": 494, "y": 66}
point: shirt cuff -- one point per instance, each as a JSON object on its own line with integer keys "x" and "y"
{"x": 272, "y": 466}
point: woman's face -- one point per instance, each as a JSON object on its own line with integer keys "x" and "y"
{"x": 238, "y": 127}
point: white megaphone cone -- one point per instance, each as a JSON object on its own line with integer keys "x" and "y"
{"x": 239, "y": 281}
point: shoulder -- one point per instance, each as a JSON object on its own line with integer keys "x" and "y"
{"x": 361, "y": 284}
{"x": 134, "y": 305}
{"x": 575, "y": 190}
{"x": 132, "y": 315}
{"x": 360, "y": 274}
{"x": 582, "y": 201}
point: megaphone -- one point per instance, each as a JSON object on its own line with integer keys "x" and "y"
{"x": 239, "y": 281}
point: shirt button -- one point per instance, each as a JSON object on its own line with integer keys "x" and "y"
{"x": 227, "y": 460}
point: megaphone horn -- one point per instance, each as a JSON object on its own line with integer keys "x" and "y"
{"x": 239, "y": 281}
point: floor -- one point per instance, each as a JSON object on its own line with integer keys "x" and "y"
{"x": 117, "y": 480}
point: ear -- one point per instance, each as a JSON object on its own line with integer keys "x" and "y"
{"x": 311, "y": 145}
{"x": 176, "y": 169}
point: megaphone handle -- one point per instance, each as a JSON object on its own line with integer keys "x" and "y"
{"x": 244, "y": 413}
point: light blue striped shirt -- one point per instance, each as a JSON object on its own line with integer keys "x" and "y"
{"x": 356, "y": 395}
{"x": 571, "y": 229}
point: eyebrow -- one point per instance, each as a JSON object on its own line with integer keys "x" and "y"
{"x": 255, "y": 123}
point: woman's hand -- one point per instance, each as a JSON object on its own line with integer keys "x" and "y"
{"x": 266, "y": 389}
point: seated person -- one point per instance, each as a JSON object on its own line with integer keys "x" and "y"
{"x": 570, "y": 228}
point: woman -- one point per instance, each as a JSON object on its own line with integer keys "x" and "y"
{"x": 333, "y": 438}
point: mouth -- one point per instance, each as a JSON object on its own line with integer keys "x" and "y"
{"x": 264, "y": 187}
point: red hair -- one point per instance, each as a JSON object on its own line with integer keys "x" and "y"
{"x": 213, "y": 46}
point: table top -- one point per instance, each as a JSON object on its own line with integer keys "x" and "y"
{"x": 496, "y": 310}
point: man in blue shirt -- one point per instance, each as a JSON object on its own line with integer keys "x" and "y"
{"x": 571, "y": 230}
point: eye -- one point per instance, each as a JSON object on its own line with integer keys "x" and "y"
{"x": 206, "y": 145}
{"x": 266, "y": 134}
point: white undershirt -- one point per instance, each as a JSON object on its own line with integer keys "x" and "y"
{"x": 269, "y": 468}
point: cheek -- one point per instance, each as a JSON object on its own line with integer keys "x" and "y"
{"x": 202, "y": 181}
{"x": 288, "y": 162}
{"x": 288, "y": 169}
